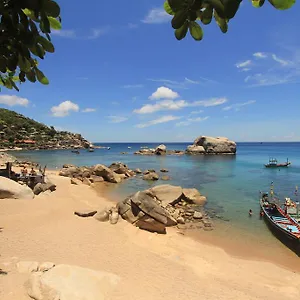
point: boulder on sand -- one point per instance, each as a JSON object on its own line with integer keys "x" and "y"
{"x": 166, "y": 193}
{"x": 14, "y": 190}
{"x": 193, "y": 196}
{"x": 43, "y": 187}
{"x": 211, "y": 145}
{"x": 69, "y": 172}
{"x": 107, "y": 174}
{"x": 67, "y": 282}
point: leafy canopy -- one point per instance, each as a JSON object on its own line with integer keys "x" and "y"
{"x": 25, "y": 29}
{"x": 186, "y": 13}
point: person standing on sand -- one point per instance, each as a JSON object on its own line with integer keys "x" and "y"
{"x": 24, "y": 171}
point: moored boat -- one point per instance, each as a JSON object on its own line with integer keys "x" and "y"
{"x": 281, "y": 223}
{"x": 274, "y": 164}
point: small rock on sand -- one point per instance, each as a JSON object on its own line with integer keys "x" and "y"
{"x": 85, "y": 213}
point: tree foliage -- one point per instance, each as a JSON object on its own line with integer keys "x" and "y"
{"x": 25, "y": 29}
{"x": 187, "y": 14}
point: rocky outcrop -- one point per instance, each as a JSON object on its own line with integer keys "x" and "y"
{"x": 119, "y": 168}
{"x": 67, "y": 282}
{"x": 162, "y": 206}
{"x": 151, "y": 176}
{"x": 43, "y": 187}
{"x": 14, "y": 190}
{"x": 107, "y": 174}
{"x": 160, "y": 150}
{"x": 211, "y": 145}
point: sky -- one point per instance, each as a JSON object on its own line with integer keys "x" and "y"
{"x": 118, "y": 74}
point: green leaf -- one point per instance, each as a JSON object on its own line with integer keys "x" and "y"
{"x": 24, "y": 64}
{"x": 282, "y": 4}
{"x": 8, "y": 84}
{"x": 221, "y": 22}
{"x": 54, "y": 23}
{"x": 218, "y": 6}
{"x": 179, "y": 19}
{"x": 231, "y": 7}
{"x": 48, "y": 46}
{"x": 22, "y": 76}
{"x": 45, "y": 24}
{"x": 176, "y": 5}
{"x": 31, "y": 76}
{"x": 180, "y": 33}
{"x": 30, "y": 14}
{"x": 52, "y": 9}
{"x": 168, "y": 8}
{"x": 258, "y": 3}
{"x": 196, "y": 31}
{"x": 206, "y": 15}
{"x": 38, "y": 51}
{"x": 2, "y": 64}
{"x": 41, "y": 77}
{"x": 14, "y": 85}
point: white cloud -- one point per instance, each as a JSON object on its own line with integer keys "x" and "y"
{"x": 132, "y": 86}
{"x": 97, "y": 32}
{"x": 184, "y": 84}
{"x": 157, "y": 16}
{"x": 88, "y": 110}
{"x": 163, "y": 93}
{"x": 67, "y": 33}
{"x": 196, "y": 112}
{"x": 189, "y": 121}
{"x": 117, "y": 119}
{"x": 13, "y": 100}
{"x": 237, "y": 106}
{"x": 246, "y": 69}
{"x": 268, "y": 79}
{"x": 64, "y": 109}
{"x": 260, "y": 55}
{"x": 160, "y": 120}
{"x": 281, "y": 61}
{"x": 243, "y": 64}
{"x": 176, "y": 105}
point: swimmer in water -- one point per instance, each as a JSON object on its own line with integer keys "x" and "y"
{"x": 250, "y": 212}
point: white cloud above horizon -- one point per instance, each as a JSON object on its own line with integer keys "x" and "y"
{"x": 66, "y": 33}
{"x": 260, "y": 55}
{"x": 13, "y": 100}
{"x": 177, "y": 105}
{"x": 238, "y": 106}
{"x": 88, "y": 110}
{"x": 92, "y": 34}
{"x": 183, "y": 84}
{"x": 163, "y": 93}
{"x": 132, "y": 86}
{"x": 189, "y": 121}
{"x": 117, "y": 119}
{"x": 64, "y": 109}
{"x": 157, "y": 16}
{"x": 160, "y": 120}
{"x": 243, "y": 64}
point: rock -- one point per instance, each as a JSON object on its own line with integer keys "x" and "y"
{"x": 193, "y": 196}
{"x": 211, "y": 145}
{"x": 180, "y": 220}
{"x": 167, "y": 194}
{"x": 165, "y": 178}
{"x": 76, "y": 181}
{"x": 106, "y": 173}
{"x": 119, "y": 168}
{"x": 14, "y": 190}
{"x": 114, "y": 216}
{"x": 86, "y": 181}
{"x": 65, "y": 166}
{"x": 69, "y": 172}
{"x": 150, "y": 224}
{"x": 46, "y": 266}
{"x": 193, "y": 149}
{"x": 122, "y": 176}
{"x": 197, "y": 215}
{"x": 27, "y": 266}
{"x": 138, "y": 171}
{"x": 145, "y": 152}
{"x": 86, "y": 174}
{"x": 68, "y": 282}
{"x": 95, "y": 179}
{"x": 161, "y": 150}
{"x": 129, "y": 211}
{"x": 164, "y": 170}
{"x": 43, "y": 187}
{"x": 151, "y": 176}
{"x": 85, "y": 213}
{"x": 102, "y": 216}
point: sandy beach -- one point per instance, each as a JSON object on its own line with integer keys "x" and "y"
{"x": 150, "y": 266}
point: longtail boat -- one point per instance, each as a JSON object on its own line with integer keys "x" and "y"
{"x": 285, "y": 227}
{"x": 274, "y": 164}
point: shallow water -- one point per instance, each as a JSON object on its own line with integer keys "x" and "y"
{"x": 230, "y": 182}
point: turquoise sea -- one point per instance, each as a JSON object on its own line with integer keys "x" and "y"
{"x": 230, "y": 182}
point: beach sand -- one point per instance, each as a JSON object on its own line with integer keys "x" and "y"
{"x": 151, "y": 266}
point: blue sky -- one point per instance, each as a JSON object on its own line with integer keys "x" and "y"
{"x": 119, "y": 74}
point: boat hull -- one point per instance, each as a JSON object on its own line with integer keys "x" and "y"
{"x": 276, "y": 166}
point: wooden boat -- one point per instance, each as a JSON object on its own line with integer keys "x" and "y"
{"x": 274, "y": 164}
{"x": 283, "y": 225}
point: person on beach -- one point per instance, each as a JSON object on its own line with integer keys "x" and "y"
{"x": 32, "y": 172}
{"x": 24, "y": 171}
{"x": 250, "y": 212}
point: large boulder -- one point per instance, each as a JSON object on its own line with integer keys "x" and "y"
{"x": 161, "y": 150}
{"x": 211, "y": 145}
{"x": 43, "y": 187}
{"x": 151, "y": 176}
{"x": 193, "y": 196}
{"x": 107, "y": 174}
{"x": 69, "y": 171}
{"x": 119, "y": 168}
{"x": 166, "y": 194}
{"x": 14, "y": 190}
{"x": 67, "y": 282}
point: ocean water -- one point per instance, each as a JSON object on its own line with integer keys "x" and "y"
{"x": 230, "y": 182}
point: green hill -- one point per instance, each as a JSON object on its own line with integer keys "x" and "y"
{"x": 17, "y": 130}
